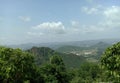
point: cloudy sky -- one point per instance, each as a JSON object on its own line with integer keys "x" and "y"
{"x": 41, "y": 21}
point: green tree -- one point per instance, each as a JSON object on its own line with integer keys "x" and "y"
{"x": 16, "y": 66}
{"x": 110, "y": 61}
{"x": 87, "y": 73}
{"x": 55, "y": 71}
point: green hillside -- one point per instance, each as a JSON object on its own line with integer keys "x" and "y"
{"x": 45, "y": 65}
{"x": 42, "y": 55}
{"x": 90, "y": 53}
{"x": 72, "y": 61}
{"x": 68, "y": 49}
{"x": 73, "y": 56}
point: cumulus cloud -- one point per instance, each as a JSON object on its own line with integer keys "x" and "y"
{"x": 109, "y": 20}
{"x": 112, "y": 17}
{"x": 88, "y": 29}
{"x": 81, "y": 29}
{"x": 50, "y": 27}
{"x": 112, "y": 13}
{"x": 25, "y": 18}
{"x": 89, "y": 10}
{"x": 93, "y": 10}
{"x": 75, "y": 23}
{"x": 92, "y": 29}
{"x": 34, "y": 33}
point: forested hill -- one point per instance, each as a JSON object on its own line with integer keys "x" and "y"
{"x": 56, "y": 45}
{"x": 101, "y": 45}
{"x": 18, "y": 66}
{"x": 70, "y": 48}
{"x": 73, "y": 56}
{"x": 42, "y": 55}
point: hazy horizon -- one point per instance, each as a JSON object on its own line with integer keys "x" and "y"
{"x": 42, "y": 21}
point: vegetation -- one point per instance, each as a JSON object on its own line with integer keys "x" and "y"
{"x": 55, "y": 71}
{"x": 111, "y": 61}
{"x": 16, "y": 66}
{"x": 42, "y": 55}
{"x": 44, "y": 65}
{"x": 68, "y": 49}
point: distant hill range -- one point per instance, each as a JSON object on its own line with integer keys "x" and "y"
{"x": 56, "y": 45}
{"x": 68, "y": 48}
{"x": 42, "y": 55}
{"x": 73, "y": 53}
{"x": 93, "y": 52}
{"x": 73, "y": 56}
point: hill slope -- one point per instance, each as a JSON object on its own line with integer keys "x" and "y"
{"x": 42, "y": 55}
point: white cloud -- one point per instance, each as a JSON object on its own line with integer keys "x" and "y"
{"x": 81, "y": 29}
{"x": 25, "y": 18}
{"x": 93, "y": 10}
{"x": 50, "y": 27}
{"x": 112, "y": 17}
{"x": 108, "y": 23}
{"x": 89, "y": 10}
{"x": 34, "y": 33}
{"x": 110, "y": 20}
{"x": 75, "y": 23}
{"x": 92, "y": 29}
{"x": 89, "y": 29}
{"x": 112, "y": 13}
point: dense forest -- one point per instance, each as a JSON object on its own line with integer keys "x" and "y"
{"x": 44, "y": 65}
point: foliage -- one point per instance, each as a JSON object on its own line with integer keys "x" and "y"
{"x": 44, "y": 65}
{"x": 68, "y": 49}
{"x": 55, "y": 71}
{"x": 87, "y": 73}
{"x": 42, "y": 54}
{"x": 16, "y": 66}
{"x": 110, "y": 61}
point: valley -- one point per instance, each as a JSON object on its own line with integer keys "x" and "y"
{"x": 72, "y": 55}
{"x": 53, "y": 62}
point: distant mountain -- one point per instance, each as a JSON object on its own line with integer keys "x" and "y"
{"x": 92, "y": 52}
{"x": 73, "y": 56}
{"x": 74, "y": 53}
{"x": 67, "y": 49}
{"x": 101, "y": 45}
{"x": 97, "y": 46}
{"x": 42, "y": 55}
{"x": 56, "y": 45}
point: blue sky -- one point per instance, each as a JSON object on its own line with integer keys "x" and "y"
{"x": 41, "y": 21}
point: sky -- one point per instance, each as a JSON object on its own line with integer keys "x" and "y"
{"x": 42, "y": 21}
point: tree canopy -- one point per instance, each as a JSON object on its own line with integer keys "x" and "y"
{"x": 55, "y": 71}
{"x": 16, "y": 66}
{"x": 111, "y": 61}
